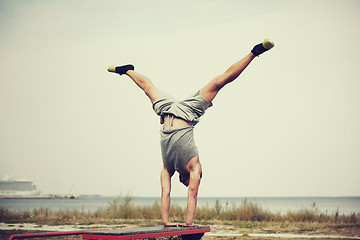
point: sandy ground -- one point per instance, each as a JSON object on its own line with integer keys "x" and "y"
{"x": 225, "y": 232}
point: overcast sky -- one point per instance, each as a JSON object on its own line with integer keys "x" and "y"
{"x": 288, "y": 126}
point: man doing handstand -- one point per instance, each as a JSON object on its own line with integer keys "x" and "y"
{"x": 178, "y": 118}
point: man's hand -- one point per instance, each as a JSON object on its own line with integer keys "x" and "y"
{"x": 188, "y": 225}
{"x": 171, "y": 224}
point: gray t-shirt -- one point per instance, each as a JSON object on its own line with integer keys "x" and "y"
{"x": 178, "y": 147}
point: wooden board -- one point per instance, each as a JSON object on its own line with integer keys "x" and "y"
{"x": 147, "y": 232}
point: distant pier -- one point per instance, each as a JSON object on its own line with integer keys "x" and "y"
{"x": 50, "y": 196}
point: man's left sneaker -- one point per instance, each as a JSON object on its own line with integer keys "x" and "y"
{"x": 262, "y": 47}
{"x": 120, "y": 69}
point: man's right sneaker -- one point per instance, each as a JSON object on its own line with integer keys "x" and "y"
{"x": 120, "y": 69}
{"x": 262, "y": 47}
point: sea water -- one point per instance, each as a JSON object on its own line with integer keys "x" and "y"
{"x": 282, "y": 205}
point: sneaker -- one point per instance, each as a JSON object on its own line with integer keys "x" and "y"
{"x": 120, "y": 69}
{"x": 262, "y": 47}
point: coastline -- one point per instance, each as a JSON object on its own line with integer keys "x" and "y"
{"x": 281, "y": 205}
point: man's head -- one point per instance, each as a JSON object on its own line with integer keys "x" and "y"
{"x": 185, "y": 178}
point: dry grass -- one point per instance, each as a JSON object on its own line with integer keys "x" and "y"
{"x": 244, "y": 218}
{"x": 122, "y": 208}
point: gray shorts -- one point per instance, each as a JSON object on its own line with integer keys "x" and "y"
{"x": 189, "y": 109}
{"x": 178, "y": 145}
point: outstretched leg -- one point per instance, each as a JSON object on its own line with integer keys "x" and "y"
{"x": 146, "y": 85}
{"x": 143, "y": 82}
{"x": 212, "y": 88}
{"x": 210, "y": 91}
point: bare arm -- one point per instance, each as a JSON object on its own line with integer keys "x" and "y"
{"x": 165, "y": 197}
{"x": 194, "y": 183}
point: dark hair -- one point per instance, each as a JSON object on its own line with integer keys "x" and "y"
{"x": 185, "y": 176}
